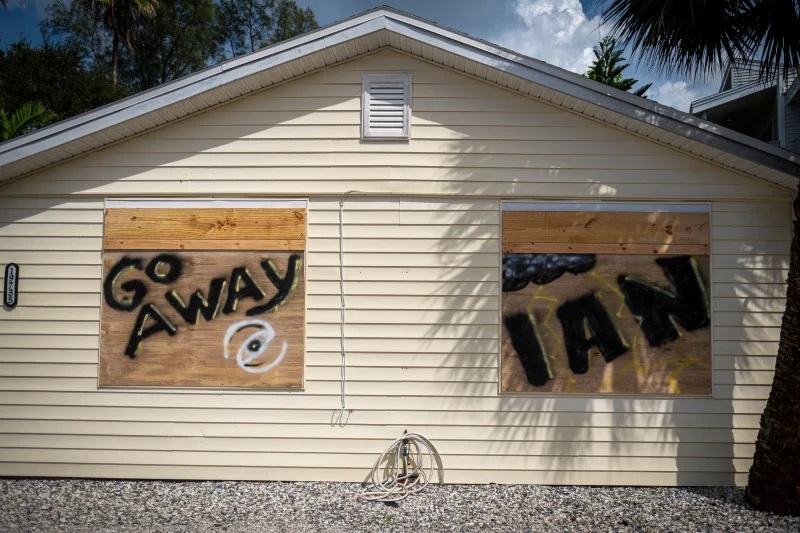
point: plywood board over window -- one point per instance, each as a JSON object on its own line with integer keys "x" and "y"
{"x": 606, "y": 298}
{"x": 203, "y": 294}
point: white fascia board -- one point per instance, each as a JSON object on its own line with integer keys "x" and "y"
{"x": 492, "y": 56}
{"x": 184, "y": 88}
{"x": 709, "y": 102}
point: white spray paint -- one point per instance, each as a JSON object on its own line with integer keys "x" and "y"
{"x": 253, "y": 346}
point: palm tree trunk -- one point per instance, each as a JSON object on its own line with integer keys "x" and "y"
{"x": 114, "y": 58}
{"x": 774, "y": 483}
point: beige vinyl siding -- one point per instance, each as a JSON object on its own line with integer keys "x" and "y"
{"x": 422, "y": 255}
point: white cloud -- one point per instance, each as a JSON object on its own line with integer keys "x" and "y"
{"x": 559, "y": 32}
{"x": 678, "y": 94}
{"x": 556, "y": 31}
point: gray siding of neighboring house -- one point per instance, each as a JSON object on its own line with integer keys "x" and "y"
{"x": 793, "y": 128}
{"x": 743, "y": 73}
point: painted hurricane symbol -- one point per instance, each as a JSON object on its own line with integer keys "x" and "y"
{"x": 254, "y": 346}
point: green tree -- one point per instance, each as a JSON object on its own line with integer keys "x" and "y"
{"x": 291, "y": 21}
{"x": 71, "y": 23}
{"x": 253, "y": 24}
{"x": 56, "y": 75}
{"x": 120, "y": 18}
{"x": 26, "y": 118}
{"x": 697, "y": 37}
{"x": 609, "y": 65}
{"x": 184, "y": 37}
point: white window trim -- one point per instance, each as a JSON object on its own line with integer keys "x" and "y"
{"x": 203, "y": 203}
{"x": 369, "y": 134}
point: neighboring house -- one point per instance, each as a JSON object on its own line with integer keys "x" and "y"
{"x": 768, "y": 109}
{"x": 553, "y": 280}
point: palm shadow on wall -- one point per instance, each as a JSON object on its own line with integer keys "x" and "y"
{"x": 525, "y": 432}
{"x": 681, "y": 437}
{"x": 61, "y": 273}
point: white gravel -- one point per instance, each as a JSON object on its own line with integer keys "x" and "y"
{"x": 72, "y": 505}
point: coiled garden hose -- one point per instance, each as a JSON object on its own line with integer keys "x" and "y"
{"x": 400, "y": 470}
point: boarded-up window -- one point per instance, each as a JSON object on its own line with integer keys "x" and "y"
{"x": 203, "y": 294}
{"x": 606, "y": 299}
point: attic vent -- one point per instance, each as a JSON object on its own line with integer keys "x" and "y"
{"x": 386, "y": 106}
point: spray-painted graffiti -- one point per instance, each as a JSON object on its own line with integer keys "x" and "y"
{"x": 254, "y": 346}
{"x": 166, "y": 269}
{"x": 541, "y": 269}
{"x": 657, "y": 308}
{"x": 175, "y": 324}
{"x": 617, "y": 324}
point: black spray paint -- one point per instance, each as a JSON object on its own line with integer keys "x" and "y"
{"x": 541, "y": 269}
{"x": 588, "y": 314}
{"x": 242, "y": 286}
{"x": 155, "y": 267}
{"x": 135, "y": 286}
{"x": 141, "y": 331}
{"x": 167, "y": 268}
{"x": 199, "y": 304}
{"x": 586, "y": 322}
{"x": 285, "y": 285}
{"x": 656, "y": 308}
{"x": 526, "y": 342}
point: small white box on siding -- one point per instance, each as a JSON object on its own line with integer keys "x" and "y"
{"x": 386, "y": 106}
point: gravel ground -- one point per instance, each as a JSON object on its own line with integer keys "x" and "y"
{"x": 71, "y": 505}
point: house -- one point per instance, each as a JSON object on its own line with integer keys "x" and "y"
{"x": 271, "y": 268}
{"x": 767, "y": 109}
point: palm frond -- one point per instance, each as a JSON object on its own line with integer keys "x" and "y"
{"x": 28, "y": 116}
{"x": 4, "y": 125}
{"x": 687, "y": 37}
{"x": 774, "y": 26}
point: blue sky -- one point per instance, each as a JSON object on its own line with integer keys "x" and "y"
{"x": 561, "y": 32}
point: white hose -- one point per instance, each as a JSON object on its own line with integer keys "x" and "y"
{"x": 404, "y": 471}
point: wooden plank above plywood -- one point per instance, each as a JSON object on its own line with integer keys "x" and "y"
{"x": 606, "y": 232}
{"x": 224, "y": 228}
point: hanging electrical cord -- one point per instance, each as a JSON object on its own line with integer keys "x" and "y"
{"x": 404, "y": 472}
{"x": 340, "y": 419}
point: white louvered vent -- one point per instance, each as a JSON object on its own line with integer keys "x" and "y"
{"x": 386, "y": 106}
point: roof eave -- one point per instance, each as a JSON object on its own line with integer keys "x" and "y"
{"x": 622, "y": 105}
{"x": 621, "y": 102}
{"x": 712, "y": 101}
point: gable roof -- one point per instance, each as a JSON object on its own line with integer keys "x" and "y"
{"x": 381, "y": 28}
